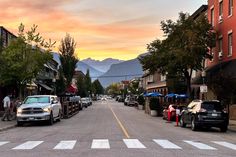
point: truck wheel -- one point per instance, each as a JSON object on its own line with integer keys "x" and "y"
{"x": 51, "y": 120}
{"x": 19, "y": 123}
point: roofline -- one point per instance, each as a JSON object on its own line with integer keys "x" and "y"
{"x": 199, "y": 11}
{"x": 8, "y": 31}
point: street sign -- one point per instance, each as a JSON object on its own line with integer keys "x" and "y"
{"x": 203, "y": 89}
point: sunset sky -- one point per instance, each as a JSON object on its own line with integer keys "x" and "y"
{"x": 102, "y": 28}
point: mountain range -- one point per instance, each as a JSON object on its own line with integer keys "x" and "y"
{"x": 103, "y": 65}
{"x": 126, "y": 70}
{"x": 109, "y": 70}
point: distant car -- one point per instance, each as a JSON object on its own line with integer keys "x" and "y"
{"x": 85, "y": 102}
{"x": 208, "y": 113}
{"x": 130, "y": 101}
{"x": 39, "y": 108}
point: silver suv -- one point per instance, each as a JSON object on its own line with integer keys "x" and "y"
{"x": 39, "y": 108}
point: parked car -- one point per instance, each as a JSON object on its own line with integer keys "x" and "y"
{"x": 39, "y": 108}
{"x": 172, "y": 108}
{"x": 130, "y": 101}
{"x": 208, "y": 113}
{"x": 85, "y": 102}
{"x": 90, "y": 100}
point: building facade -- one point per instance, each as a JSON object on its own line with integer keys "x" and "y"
{"x": 222, "y": 68}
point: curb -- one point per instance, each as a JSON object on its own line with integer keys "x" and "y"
{"x": 7, "y": 128}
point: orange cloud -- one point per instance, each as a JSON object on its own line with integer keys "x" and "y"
{"x": 123, "y": 39}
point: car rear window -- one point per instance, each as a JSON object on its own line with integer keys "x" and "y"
{"x": 212, "y": 106}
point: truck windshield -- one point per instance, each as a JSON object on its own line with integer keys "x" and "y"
{"x": 31, "y": 100}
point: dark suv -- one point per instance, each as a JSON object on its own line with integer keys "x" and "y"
{"x": 204, "y": 114}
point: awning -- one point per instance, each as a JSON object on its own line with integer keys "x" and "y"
{"x": 171, "y": 95}
{"x": 46, "y": 86}
{"x": 72, "y": 89}
{"x": 152, "y": 94}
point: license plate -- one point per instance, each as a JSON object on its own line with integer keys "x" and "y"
{"x": 214, "y": 114}
{"x": 31, "y": 118}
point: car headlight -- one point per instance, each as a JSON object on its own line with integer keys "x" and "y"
{"x": 47, "y": 109}
{"x": 19, "y": 110}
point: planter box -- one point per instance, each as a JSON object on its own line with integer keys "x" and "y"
{"x": 153, "y": 113}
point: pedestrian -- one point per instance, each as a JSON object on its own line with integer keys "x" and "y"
{"x": 7, "y": 108}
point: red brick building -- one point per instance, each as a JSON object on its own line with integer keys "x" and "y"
{"x": 222, "y": 15}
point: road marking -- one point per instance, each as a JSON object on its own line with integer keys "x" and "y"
{"x": 133, "y": 143}
{"x": 100, "y": 144}
{"x": 166, "y": 144}
{"x": 65, "y": 145}
{"x": 226, "y": 144}
{"x": 119, "y": 122}
{"x": 28, "y": 145}
{"x": 3, "y": 142}
{"x": 200, "y": 145}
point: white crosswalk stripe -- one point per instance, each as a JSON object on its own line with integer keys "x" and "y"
{"x": 200, "y": 145}
{"x": 65, "y": 145}
{"x": 166, "y": 144}
{"x": 3, "y": 142}
{"x": 226, "y": 144}
{"x": 28, "y": 145}
{"x": 129, "y": 143}
{"x": 100, "y": 144}
{"x": 133, "y": 143}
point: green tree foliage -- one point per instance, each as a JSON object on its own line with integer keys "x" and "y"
{"x": 88, "y": 83}
{"x": 133, "y": 87}
{"x": 113, "y": 89}
{"x": 67, "y": 58}
{"x": 97, "y": 87}
{"x": 81, "y": 86}
{"x": 186, "y": 46}
{"x": 24, "y": 58}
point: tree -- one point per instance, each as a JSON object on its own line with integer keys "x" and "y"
{"x": 98, "y": 89}
{"x": 113, "y": 89}
{"x": 186, "y": 46}
{"x": 81, "y": 86}
{"x": 67, "y": 58}
{"x": 88, "y": 83}
{"x": 24, "y": 58}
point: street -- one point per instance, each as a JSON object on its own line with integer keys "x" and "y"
{"x": 108, "y": 128}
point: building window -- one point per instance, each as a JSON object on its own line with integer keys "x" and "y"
{"x": 221, "y": 11}
{"x": 163, "y": 77}
{"x": 212, "y": 16}
{"x": 230, "y": 44}
{"x": 220, "y": 47}
{"x": 230, "y": 12}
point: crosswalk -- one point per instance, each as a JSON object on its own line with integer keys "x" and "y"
{"x": 128, "y": 143}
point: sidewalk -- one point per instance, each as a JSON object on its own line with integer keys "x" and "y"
{"x": 232, "y": 125}
{"x": 5, "y": 125}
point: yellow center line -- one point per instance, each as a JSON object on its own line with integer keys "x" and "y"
{"x": 119, "y": 122}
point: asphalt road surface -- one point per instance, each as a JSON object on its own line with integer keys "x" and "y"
{"x": 110, "y": 129}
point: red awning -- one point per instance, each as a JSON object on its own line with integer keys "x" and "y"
{"x": 72, "y": 89}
